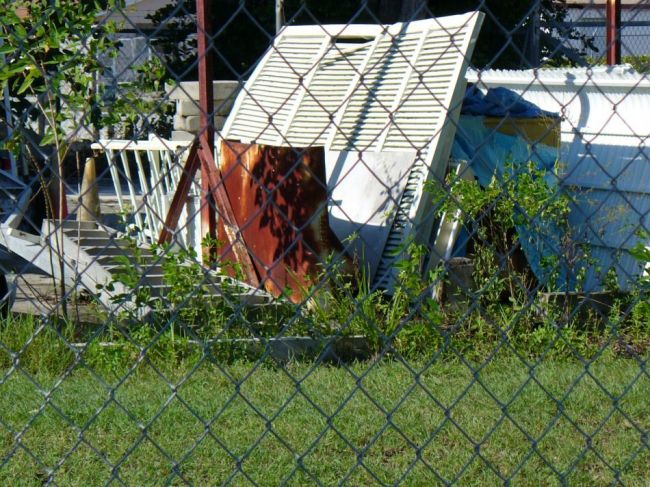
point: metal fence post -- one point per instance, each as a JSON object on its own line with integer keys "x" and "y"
{"x": 613, "y": 32}
{"x": 279, "y": 15}
{"x": 206, "y": 104}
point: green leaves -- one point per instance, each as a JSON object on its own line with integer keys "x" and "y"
{"x": 53, "y": 51}
{"x": 49, "y": 138}
{"x": 9, "y": 70}
{"x": 32, "y": 75}
{"x": 641, "y": 251}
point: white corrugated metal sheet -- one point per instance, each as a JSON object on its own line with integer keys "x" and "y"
{"x": 605, "y": 147}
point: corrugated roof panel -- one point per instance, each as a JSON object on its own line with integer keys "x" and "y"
{"x": 609, "y": 218}
{"x": 614, "y": 163}
{"x": 605, "y": 258}
{"x": 605, "y": 76}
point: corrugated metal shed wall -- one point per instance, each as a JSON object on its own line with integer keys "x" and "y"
{"x": 605, "y": 131}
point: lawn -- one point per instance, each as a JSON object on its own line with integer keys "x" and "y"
{"x": 207, "y": 422}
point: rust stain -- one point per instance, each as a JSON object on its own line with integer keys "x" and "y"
{"x": 279, "y": 199}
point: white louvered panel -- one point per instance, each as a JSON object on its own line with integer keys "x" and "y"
{"x": 408, "y": 72}
{"x": 252, "y": 112}
{"x": 367, "y": 113}
{"x": 290, "y": 49}
{"x": 319, "y": 119}
{"x": 438, "y": 55}
{"x": 324, "y": 96}
{"x": 434, "y": 60}
{"x": 437, "y": 61}
{"x": 418, "y": 123}
{"x": 248, "y": 117}
{"x": 266, "y": 99}
{"x": 430, "y": 51}
{"x": 438, "y": 68}
{"x": 395, "y": 237}
{"x": 413, "y": 119}
{"x": 417, "y": 95}
{"x": 446, "y": 62}
{"x": 275, "y": 90}
{"x": 421, "y": 109}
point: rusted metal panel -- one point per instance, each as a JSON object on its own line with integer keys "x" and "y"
{"x": 232, "y": 234}
{"x": 279, "y": 199}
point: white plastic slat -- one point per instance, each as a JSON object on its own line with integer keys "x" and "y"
{"x": 115, "y": 176}
{"x": 144, "y": 187}
{"x": 132, "y": 193}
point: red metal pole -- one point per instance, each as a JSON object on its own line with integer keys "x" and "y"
{"x": 213, "y": 192}
{"x": 192, "y": 165}
{"x": 613, "y": 32}
{"x": 206, "y": 104}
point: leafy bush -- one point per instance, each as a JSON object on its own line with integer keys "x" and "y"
{"x": 524, "y": 201}
{"x": 505, "y": 308}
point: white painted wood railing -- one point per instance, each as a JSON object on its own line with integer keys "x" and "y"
{"x": 150, "y": 170}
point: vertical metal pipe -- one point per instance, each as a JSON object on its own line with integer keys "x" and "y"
{"x": 279, "y": 15}
{"x": 534, "y": 29}
{"x": 206, "y": 104}
{"x": 206, "y": 100}
{"x": 613, "y": 32}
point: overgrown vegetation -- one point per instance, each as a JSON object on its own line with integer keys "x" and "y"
{"x": 49, "y": 70}
{"x": 140, "y": 107}
{"x": 506, "y": 305}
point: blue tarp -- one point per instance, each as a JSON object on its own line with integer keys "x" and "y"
{"x": 490, "y": 153}
{"x": 500, "y": 102}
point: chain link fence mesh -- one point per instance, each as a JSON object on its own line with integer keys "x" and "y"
{"x": 591, "y": 20}
{"x": 411, "y": 248}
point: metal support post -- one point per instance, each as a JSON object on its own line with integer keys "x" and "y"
{"x": 613, "y": 32}
{"x": 206, "y": 104}
{"x": 279, "y": 15}
{"x": 213, "y": 193}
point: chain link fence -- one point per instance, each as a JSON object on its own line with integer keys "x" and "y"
{"x": 388, "y": 243}
{"x": 591, "y": 20}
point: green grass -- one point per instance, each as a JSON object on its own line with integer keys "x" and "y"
{"x": 368, "y": 423}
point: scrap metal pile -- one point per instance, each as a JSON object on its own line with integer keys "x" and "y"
{"x": 382, "y": 104}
